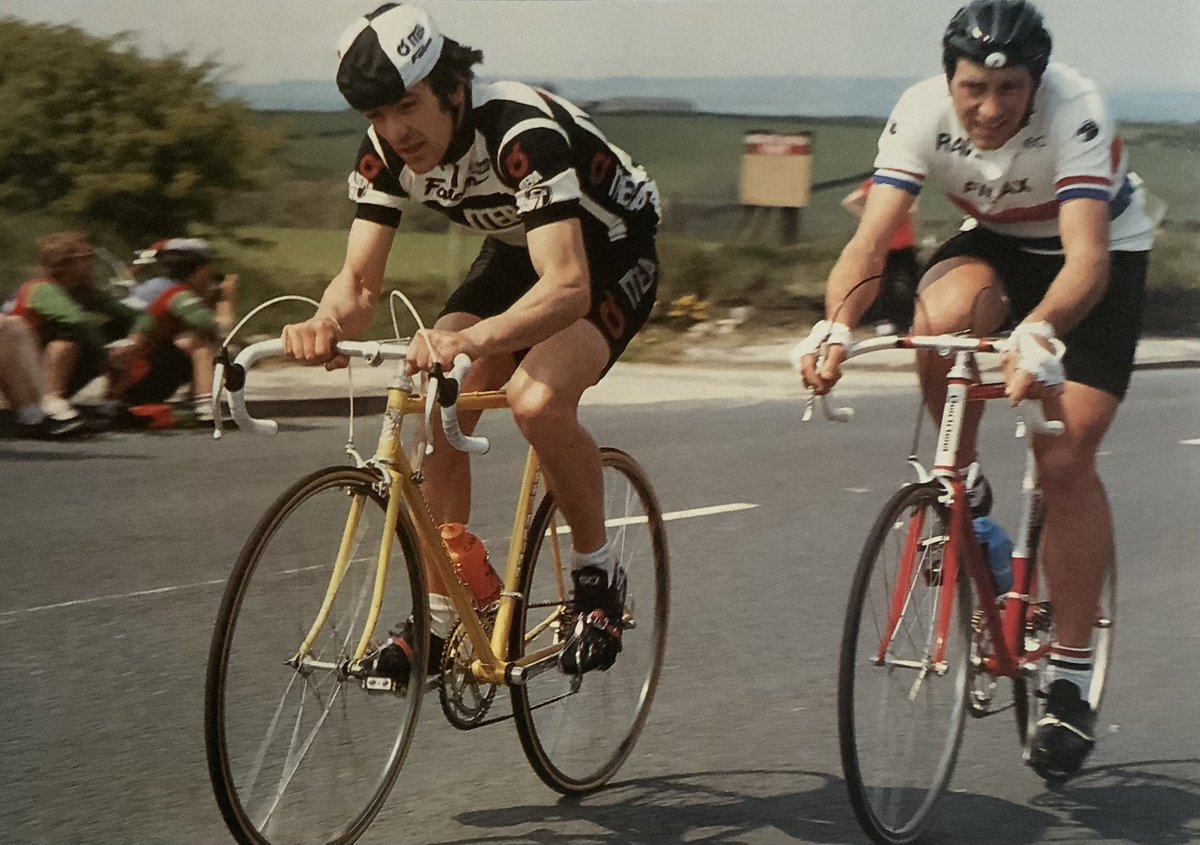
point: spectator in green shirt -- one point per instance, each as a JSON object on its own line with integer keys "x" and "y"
{"x": 74, "y": 320}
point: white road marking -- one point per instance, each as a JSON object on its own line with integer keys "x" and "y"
{"x": 1195, "y": 441}
{"x": 691, "y": 513}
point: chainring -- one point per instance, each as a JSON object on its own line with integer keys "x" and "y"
{"x": 465, "y": 699}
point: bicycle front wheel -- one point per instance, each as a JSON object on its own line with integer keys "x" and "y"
{"x": 578, "y": 730}
{"x": 902, "y": 681}
{"x": 299, "y": 749}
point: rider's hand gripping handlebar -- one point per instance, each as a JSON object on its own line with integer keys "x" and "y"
{"x": 232, "y": 377}
{"x": 1033, "y": 418}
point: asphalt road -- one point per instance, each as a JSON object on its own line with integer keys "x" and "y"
{"x": 114, "y": 553}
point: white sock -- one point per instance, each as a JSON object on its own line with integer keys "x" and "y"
{"x": 442, "y": 617}
{"x": 30, "y": 415}
{"x": 58, "y": 408}
{"x": 1071, "y": 664}
{"x": 604, "y": 557}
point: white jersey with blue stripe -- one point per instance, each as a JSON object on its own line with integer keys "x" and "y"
{"x": 1069, "y": 149}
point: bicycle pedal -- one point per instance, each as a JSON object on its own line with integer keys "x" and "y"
{"x": 378, "y": 683}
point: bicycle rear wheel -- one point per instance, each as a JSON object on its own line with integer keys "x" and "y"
{"x": 900, "y": 708}
{"x": 300, "y": 750}
{"x": 1039, "y": 622}
{"x": 578, "y": 730}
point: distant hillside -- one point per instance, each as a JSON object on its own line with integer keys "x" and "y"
{"x": 760, "y": 95}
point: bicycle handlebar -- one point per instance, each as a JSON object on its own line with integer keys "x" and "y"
{"x": 1032, "y": 415}
{"x": 232, "y": 377}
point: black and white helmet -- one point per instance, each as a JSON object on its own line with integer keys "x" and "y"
{"x": 997, "y": 33}
{"x": 385, "y": 53}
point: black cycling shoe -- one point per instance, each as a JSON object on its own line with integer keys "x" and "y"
{"x": 394, "y": 659}
{"x": 51, "y": 428}
{"x": 1065, "y": 733}
{"x": 595, "y": 639}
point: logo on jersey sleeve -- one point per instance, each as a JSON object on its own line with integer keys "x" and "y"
{"x": 601, "y": 167}
{"x": 369, "y": 165}
{"x": 533, "y": 198}
{"x": 1087, "y": 131}
{"x": 516, "y": 162}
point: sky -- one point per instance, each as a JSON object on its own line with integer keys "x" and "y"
{"x": 1121, "y": 44}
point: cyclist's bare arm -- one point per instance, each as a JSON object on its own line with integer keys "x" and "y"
{"x": 863, "y": 257}
{"x": 1079, "y": 285}
{"x": 561, "y": 296}
{"x": 349, "y": 299}
{"x": 1083, "y": 279}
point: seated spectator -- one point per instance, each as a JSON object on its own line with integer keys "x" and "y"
{"x": 73, "y": 320}
{"x": 39, "y": 414}
{"x": 183, "y": 313}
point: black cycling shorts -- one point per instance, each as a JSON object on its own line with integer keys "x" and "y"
{"x": 624, "y": 286}
{"x": 1100, "y": 349}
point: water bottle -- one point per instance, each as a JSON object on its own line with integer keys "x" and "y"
{"x": 470, "y": 560}
{"x": 997, "y": 548}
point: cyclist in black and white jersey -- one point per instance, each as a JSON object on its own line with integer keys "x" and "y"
{"x": 566, "y": 276}
{"x": 1057, "y": 240}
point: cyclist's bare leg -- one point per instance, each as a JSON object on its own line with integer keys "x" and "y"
{"x": 1078, "y": 537}
{"x": 447, "y": 471}
{"x": 544, "y": 396}
{"x": 956, "y": 295}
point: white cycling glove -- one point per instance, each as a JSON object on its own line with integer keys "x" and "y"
{"x": 1045, "y": 365}
{"x": 835, "y": 334}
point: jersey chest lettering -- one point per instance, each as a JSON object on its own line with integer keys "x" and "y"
{"x": 449, "y": 185}
{"x": 990, "y": 192}
{"x": 491, "y": 219}
{"x": 946, "y": 143}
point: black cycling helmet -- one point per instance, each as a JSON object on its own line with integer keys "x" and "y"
{"x": 997, "y": 33}
{"x": 384, "y": 53}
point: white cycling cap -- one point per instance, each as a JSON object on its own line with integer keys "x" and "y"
{"x": 385, "y": 53}
{"x": 194, "y": 246}
{"x": 143, "y": 257}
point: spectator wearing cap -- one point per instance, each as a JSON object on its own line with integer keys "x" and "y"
{"x": 143, "y": 266}
{"x": 183, "y": 313}
{"x": 73, "y": 320}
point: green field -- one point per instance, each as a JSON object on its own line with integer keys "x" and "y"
{"x": 290, "y": 235}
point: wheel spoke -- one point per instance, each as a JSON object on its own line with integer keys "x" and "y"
{"x": 577, "y": 730}
{"x": 307, "y": 757}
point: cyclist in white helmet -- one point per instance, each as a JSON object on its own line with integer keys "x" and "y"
{"x": 1056, "y": 242}
{"x": 566, "y": 276}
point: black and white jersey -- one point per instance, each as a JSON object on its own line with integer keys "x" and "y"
{"x": 522, "y": 158}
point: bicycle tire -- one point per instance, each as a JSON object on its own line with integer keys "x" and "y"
{"x": 266, "y": 766}
{"x": 576, "y": 740}
{"x": 1026, "y": 697}
{"x": 896, "y": 761}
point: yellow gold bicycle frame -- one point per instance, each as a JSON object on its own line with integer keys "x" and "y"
{"x": 402, "y": 490}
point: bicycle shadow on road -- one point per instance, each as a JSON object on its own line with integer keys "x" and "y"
{"x": 1155, "y": 802}
{"x": 734, "y": 806}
